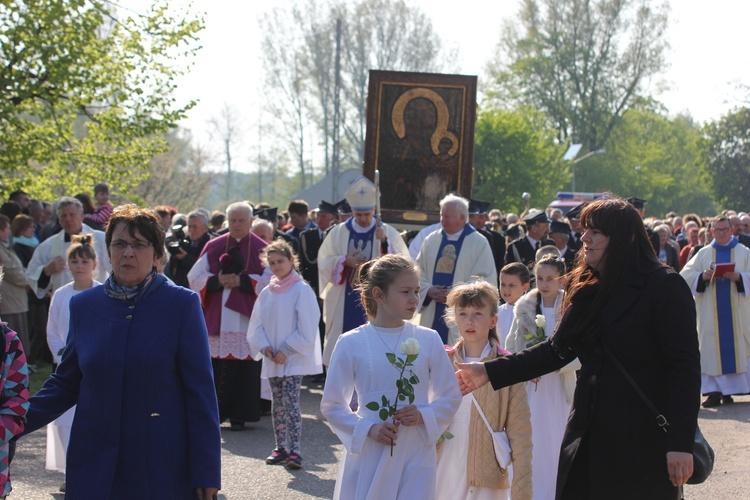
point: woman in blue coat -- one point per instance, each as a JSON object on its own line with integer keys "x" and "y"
{"x": 137, "y": 365}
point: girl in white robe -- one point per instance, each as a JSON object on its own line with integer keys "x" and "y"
{"x": 395, "y": 458}
{"x": 550, "y": 397}
{"x": 283, "y": 330}
{"x": 81, "y": 258}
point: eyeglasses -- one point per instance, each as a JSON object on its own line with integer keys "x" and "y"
{"x": 137, "y": 245}
{"x": 721, "y": 229}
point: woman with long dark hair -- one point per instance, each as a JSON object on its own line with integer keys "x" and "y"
{"x": 620, "y": 304}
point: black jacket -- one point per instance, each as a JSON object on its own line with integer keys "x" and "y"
{"x": 497, "y": 245}
{"x": 612, "y": 447}
{"x": 310, "y": 242}
{"x": 525, "y": 251}
{"x": 177, "y": 270}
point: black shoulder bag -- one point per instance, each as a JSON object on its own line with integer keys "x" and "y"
{"x": 703, "y": 454}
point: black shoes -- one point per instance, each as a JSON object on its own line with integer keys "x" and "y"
{"x": 713, "y": 400}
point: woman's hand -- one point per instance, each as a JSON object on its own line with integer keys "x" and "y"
{"x": 680, "y": 466}
{"x": 409, "y": 416}
{"x": 206, "y": 493}
{"x": 471, "y": 376}
{"x": 384, "y": 433}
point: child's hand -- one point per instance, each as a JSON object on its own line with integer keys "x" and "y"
{"x": 409, "y": 416}
{"x": 270, "y": 354}
{"x": 280, "y": 358}
{"x": 384, "y": 433}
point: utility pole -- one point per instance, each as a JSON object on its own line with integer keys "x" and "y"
{"x": 260, "y": 165}
{"x": 335, "y": 164}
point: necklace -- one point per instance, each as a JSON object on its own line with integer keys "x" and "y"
{"x": 392, "y": 351}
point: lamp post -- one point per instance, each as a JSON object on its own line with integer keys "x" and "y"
{"x": 570, "y": 155}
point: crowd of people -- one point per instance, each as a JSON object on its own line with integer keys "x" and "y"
{"x": 224, "y": 313}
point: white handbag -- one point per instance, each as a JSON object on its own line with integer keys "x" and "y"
{"x": 499, "y": 439}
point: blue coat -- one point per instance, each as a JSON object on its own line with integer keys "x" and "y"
{"x": 147, "y": 422}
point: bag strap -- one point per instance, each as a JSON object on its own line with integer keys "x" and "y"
{"x": 661, "y": 420}
{"x": 481, "y": 413}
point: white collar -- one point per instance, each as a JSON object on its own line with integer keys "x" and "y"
{"x": 454, "y": 236}
{"x": 361, "y": 229}
{"x": 485, "y": 352}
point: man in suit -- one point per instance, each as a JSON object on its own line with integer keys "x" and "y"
{"x": 310, "y": 241}
{"x": 639, "y": 204}
{"x": 559, "y": 232}
{"x": 478, "y": 218}
{"x": 524, "y": 249}
{"x": 737, "y": 230}
{"x": 298, "y": 216}
{"x": 576, "y": 231}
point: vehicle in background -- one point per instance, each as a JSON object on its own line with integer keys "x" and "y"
{"x": 567, "y": 200}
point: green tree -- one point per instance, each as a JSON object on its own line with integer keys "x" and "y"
{"x": 86, "y": 92}
{"x": 653, "y": 157}
{"x": 727, "y": 149}
{"x": 516, "y": 152}
{"x": 582, "y": 62}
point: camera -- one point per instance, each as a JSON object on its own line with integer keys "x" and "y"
{"x": 177, "y": 240}
{"x": 178, "y": 232}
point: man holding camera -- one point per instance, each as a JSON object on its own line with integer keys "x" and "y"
{"x": 185, "y": 247}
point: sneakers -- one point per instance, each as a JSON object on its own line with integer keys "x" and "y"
{"x": 278, "y": 456}
{"x": 294, "y": 461}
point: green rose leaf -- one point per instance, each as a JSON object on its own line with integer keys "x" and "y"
{"x": 391, "y": 357}
{"x": 383, "y": 414}
{"x": 372, "y": 406}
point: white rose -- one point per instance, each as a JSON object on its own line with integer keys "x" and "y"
{"x": 541, "y": 321}
{"x": 410, "y": 347}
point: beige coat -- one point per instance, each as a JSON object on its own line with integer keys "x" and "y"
{"x": 13, "y": 297}
{"x": 506, "y": 409}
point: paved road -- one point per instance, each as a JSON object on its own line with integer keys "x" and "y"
{"x": 246, "y": 476}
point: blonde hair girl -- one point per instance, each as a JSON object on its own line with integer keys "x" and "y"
{"x": 364, "y": 360}
{"x": 467, "y": 467}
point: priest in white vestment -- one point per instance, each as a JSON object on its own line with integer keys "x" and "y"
{"x": 451, "y": 255}
{"x": 47, "y": 270}
{"x": 346, "y": 247}
{"x": 723, "y": 310}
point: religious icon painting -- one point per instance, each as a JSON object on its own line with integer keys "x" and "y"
{"x": 420, "y": 137}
